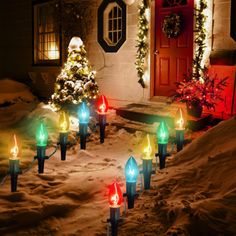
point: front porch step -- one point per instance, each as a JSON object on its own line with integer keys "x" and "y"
{"x": 148, "y": 113}
{"x": 152, "y": 113}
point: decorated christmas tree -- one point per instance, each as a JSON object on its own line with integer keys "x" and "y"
{"x": 76, "y": 82}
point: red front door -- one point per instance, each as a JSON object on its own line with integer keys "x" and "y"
{"x": 173, "y": 56}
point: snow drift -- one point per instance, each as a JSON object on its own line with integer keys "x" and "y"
{"x": 196, "y": 194}
{"x": 16, "y": 101}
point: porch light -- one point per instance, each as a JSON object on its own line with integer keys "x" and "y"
{"x": 14, "y": 168}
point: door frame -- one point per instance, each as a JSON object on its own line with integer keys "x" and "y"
{"x": 152, "y": 47}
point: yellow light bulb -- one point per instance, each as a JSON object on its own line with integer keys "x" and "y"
{"x": 64, "y": 122}
{"x": 148, "y": 150}
{"x": 14, "y": 150}
{"x": 179, "y": 120}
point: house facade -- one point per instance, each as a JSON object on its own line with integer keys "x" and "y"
{"x": 33, "y": 49}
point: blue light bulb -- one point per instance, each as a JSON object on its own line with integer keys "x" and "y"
{"x": 131, "y": 170}
{"x": 83, "y": 113}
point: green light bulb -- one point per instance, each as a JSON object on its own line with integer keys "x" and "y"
{"x": 162, "y": 133}
{"x": 41, "y": 135}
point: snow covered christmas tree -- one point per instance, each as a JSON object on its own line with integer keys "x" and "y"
{"x": 76, "y": 82}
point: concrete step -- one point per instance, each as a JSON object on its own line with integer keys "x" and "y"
{"x": 150, "y": 113}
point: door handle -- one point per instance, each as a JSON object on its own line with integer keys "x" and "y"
{"x": 156, "y": 52}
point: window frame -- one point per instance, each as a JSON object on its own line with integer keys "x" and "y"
{"x": 101, "y": 35}
{"x": 55, "y": 62}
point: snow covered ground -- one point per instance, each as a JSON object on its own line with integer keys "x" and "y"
{"x": 194, "y": 195}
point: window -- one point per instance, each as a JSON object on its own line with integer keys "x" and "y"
{"x": 112, "y": 25}
{"x": 113, "y": 29}
{"x": 174, "y": 3}
{"x": 46, "y": 35}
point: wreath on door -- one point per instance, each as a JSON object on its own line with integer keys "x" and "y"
{"x": 172, "y": 25}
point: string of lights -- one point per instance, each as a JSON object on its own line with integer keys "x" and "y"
{"x": 199, "y": 39}
{"x": 142, "y": 41}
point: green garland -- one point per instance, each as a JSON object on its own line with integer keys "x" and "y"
{"x": 200, "y": 37}
{"x": 142, "y": 41}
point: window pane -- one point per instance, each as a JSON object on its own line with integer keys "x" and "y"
{"x": 119, "y": 35}
{"x": 119, "y": 24}
{"x": 119, "y": 12}
{"x": 115, "y": 24}
{"x": 115, "y": 37}
{"x": 110, "y": 25}
{"x": 110, "y": 36}
{"x": 110, "y": 15}
{"x": 115, "y": 12}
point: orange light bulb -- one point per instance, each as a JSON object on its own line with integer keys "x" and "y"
{"x": 14, "y": 150}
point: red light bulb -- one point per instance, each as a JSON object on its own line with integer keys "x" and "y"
{"x": 115, "y": 196}
{"x": 102, "y": 104}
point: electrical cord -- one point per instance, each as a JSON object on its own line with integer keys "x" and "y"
{"x": 56, "y": 148}
{"x": 4, "y": 179}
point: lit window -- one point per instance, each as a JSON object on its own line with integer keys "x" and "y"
{"x": 46, "y": 35}
{"x": 111, "y": 25}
